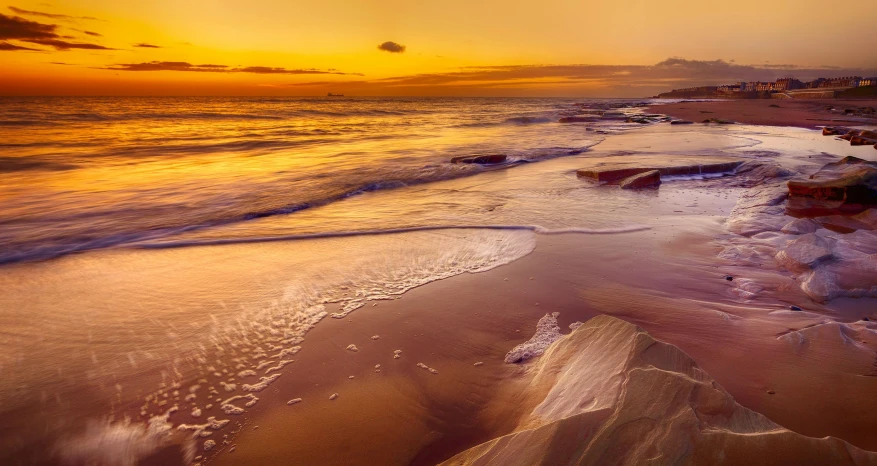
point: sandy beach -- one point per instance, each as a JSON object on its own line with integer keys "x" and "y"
{"x": 391, "y": 335}
{"x": 773, "y": 112}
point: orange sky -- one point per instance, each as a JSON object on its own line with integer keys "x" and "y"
{"x": 452, "y": 47}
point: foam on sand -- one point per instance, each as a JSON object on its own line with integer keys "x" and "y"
{"x": 547, "y": 332}
{"x": 609, "y": 393}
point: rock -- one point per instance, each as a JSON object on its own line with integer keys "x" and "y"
{"x": 480, "y": 159}
{"x": 800, "y": 226}
{"x": 294, "y": 401}
{"x": 610, "y": 394}
{"x": 794, "y": 308}
{"x": 832, "y": 131}
{"x": 209, "y": 445}
{"x": 352, "y": 347}
{"x": 862, "y": 141}
{"x": 650, "y": 179}
{"x": 729, "y": 278}
{"x": 681, "y": 122}
{"x": 845, "y": 186}
{"x": 803, "y": 253}
{"x": 820, "y": 285}
{"x": 333, "y": 396}
{"x": 578, "y": 119}
{"x": 843, "y": 223}
{"x": 614, "y": 173}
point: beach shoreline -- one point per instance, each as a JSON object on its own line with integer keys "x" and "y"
{"x": 771, "y": 112}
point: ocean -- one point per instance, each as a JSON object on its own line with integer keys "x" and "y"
{"x": 163, "y": 259}
{"x": 90, "y": 173}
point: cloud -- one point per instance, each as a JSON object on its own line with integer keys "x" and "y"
{"x": 13, "y": 27}
{"x": 8, "y": 46}
{"x": 49, "y": 15}
{"x": 64, "y": 45}
{"x": 184, "y": 66}
{"x": 577, "y": 79}
{"x": 147, "y": 46}
{"x": 24, "y": 30}
{"x": 392, "y": 47}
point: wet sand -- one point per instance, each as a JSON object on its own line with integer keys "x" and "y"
{"x": 773, "y": 112}
{"x": 667, "y": 281}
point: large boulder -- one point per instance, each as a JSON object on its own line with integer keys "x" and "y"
{"x": 649, "y": 179}
{"x": 846, "y": 186}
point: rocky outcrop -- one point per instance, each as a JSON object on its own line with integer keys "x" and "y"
{"x": 615, "y": 173}
{"x": 804, "y": 253}
{"x": 650, "y": 179}
{"x": 800, "y": 226}
{"x": 609, "y": 393}
{"x": 480, "y": 159}
{"x": 846, "y": 186}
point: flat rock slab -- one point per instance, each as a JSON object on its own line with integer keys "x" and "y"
{"x": 846, "y": 186}
{"x": 614, "y": 172}
{"x": 650, "y": 179}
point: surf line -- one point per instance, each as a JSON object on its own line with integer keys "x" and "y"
{"x": 343, "y": 234}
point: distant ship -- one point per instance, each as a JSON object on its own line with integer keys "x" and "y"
{"x": 334, "y": 95}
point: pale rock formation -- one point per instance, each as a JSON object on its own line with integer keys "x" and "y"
{"x": 800, "y": 226}
{"x": 803, "y": 253}
{"x": 609, "y": 393}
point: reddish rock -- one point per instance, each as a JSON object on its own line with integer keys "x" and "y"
{"x": 650, "y": 179}
{"x": 862, "y": 141}
{"x": 846, "y": 186}
{"x": 612, "y": 174}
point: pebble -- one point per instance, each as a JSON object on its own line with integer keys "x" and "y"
{"x": 728, "y": 277}
{"x": 478, "y": 363}
{"x": 333, "y": 396}
{"x": 794, "y": 308}
{"x": 293, "y": 401}
{"x": 351, "y": 377}
{"x": 771, "y": 392}
{"x": 377, "y": 366}
{"x": 352, "y": 347}
{"x": 375, "y": 337}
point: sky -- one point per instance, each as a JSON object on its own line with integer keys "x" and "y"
{"x": 450, "y": 47}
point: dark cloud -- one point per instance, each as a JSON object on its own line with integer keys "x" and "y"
{"x": 392, "y": 47}
{"x": 8, "y": 46}
{"x": 13, "y": 27}
{"x": 184, "y": 66}
{"x": 147, "y": 46}
{"x": 64, "y": 45}
{"x": 24, "y": 30}
{"x": 49, "y": 15}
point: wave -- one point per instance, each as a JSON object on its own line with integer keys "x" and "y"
{"x": 344, "y": 234}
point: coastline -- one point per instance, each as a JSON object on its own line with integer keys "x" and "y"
{"x": 668, "y": 277}
{"x": 770, "y": 112}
